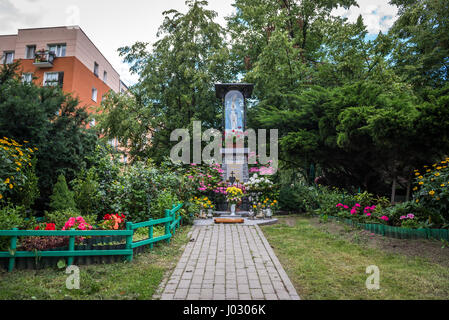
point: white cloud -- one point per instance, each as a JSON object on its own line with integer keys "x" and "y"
{"x": 14, "y": 15}
{"x": 378, "y": 15}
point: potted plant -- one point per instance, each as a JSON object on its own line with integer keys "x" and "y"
{"x": 270, "y": 206}
{"x": 233, "y": 196}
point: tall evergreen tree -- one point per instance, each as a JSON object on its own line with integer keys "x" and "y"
{"x": 176, "y": 82}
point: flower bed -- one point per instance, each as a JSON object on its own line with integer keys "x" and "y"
{"x": 398, "y": 232}
{"x": 42, "y": 248}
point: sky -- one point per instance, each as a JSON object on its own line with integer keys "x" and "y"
{"x": 113, "y": 24}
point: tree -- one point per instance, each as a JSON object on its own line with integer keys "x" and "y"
{"x": 50, "y": 120}
{"x": 421, "y": 43}
{"x": 336, "y": 98}
{"x": 175, "y": 85}
{"x": 62, "y": 197}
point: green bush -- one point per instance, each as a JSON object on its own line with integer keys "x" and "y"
{"x": 60, "y": 217}
{"x": 165, "y": 200}
{"x": 62, "y": 197}
{"x": 366, "y": 199}
{"x": 424, "y": 216}
{"x": 87, "y": 194}
{"x": 12, "y": 217}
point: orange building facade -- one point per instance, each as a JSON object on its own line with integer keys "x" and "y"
{"x": 66, "y": 57}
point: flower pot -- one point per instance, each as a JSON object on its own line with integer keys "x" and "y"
{"x": 233, "y": 209}
{"x": 268, "y": 213}
{"x": 210, "y": 213}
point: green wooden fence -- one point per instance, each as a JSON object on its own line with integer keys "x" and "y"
{"x": 171, "y": 221}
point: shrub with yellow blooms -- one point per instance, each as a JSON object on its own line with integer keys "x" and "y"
{"x": 203, "y": 202}
{"x": 431, "y": 188}
{"x": 15, "y": 163}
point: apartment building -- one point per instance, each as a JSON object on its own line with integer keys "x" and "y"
{"x": 66, "y": 57}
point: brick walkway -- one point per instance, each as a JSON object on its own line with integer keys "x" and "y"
{"x": 228, "y": 262}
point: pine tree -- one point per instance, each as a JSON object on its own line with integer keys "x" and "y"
{"x": 62, "y": 197}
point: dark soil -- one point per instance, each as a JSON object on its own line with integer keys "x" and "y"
{"x": 432, "y": 250}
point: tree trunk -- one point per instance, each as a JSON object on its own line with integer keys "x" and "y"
{"x": 409, "y": 186}
{"x": 393, "y": 190}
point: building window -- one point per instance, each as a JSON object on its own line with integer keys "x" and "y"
{"x": 27, "y": 77}
{"x": 94, "y": 94}
{"x": 8, "y": 57}
{"x": 96, "y": 67}
{"x": 113, "y": 143}
{"x": 58, "y": 49}
{"x": 105, "y": 76}
{"x": 31, "y": 52}
{"x": 53, "y": 78}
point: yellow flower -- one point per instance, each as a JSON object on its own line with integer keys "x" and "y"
{"x": 420, "y": 177}
{"x": 415, "y": 188}
{"x": 417, "y": 174}
{"x": 443, "y": 185}
{"x": 7, "y": 181}
{"x": 428, "y": 170}
{"x": 1, "y": 197}
{"x": 11, "y": 186}
{"x": 417, "y": 200}
{"x": 432, "y": 193}
{"x": 437, "y": 174}
{"x": 439, "y": 168}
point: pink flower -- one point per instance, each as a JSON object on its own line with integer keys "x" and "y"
{"x": 353, "y": 211}
{"x": 403, "y": 217}
{"x": 410, "y": 216}
{"x": 346, "y": 207}
{"x": 357, "y": 205}
{"x": 368, "y": 214}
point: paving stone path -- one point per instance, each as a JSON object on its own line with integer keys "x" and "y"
{"x": 228, "y": 262}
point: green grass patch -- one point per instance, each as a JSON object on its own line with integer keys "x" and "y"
{"x": 136, "y": 280}
{"x": 323, "y": 265}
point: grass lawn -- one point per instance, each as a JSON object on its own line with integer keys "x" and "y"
{"x": 325, "y": 264}
{"x": 137, "y": 280}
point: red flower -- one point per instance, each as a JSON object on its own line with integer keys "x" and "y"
{"x": 50, "y": 227}
{"x": 37, "y": 228}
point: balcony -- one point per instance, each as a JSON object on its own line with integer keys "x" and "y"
{"x": 44, "y": 59}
